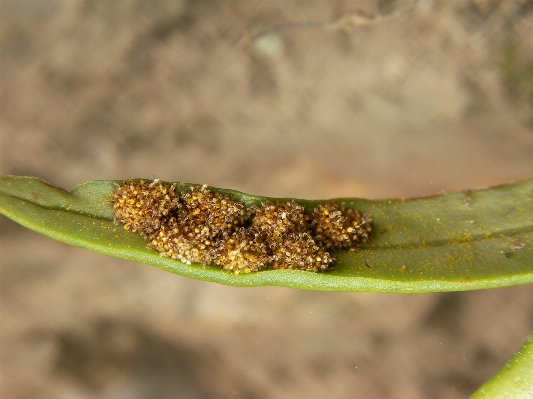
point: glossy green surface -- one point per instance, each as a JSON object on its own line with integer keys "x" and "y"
{"x": 450, "y": 242}
{"x": 514, "y": 380}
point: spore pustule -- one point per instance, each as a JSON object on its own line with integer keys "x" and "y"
{"x": 198, "y": 225}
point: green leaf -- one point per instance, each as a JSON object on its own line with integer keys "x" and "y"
{"x": 514, "y": 380}
{"x": 450, "y": 242}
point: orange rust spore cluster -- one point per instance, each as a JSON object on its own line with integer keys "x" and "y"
{"x": 202, "y": 226}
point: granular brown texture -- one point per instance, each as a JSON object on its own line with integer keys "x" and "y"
{"x": 143, "y": 207}
{"x": 300, "y": 251}
{"x": 243, "y": 252}
{"x": 213, "y": 213}
{"x": 340, "y": 228}
{"x": 285, "y": 230}
{"x": 202, "y": 226}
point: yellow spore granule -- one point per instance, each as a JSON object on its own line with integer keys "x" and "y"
{"x": 203, "y": 226}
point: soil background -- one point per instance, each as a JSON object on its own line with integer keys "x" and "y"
{"x": 308, "y": 99}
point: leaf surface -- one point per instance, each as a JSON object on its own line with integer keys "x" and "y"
{"x": 514, "y": 380}
{"x": 475, "y": 239}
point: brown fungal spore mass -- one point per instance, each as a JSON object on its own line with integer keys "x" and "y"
{"x": 198, "y": 225}
{"x": 340, "y": 228}
{"x": 144, "y": 207}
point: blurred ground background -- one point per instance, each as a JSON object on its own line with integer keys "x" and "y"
{"x": 413, "y": 99}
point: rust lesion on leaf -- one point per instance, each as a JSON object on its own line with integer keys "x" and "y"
{"x": 198, "y": 225}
